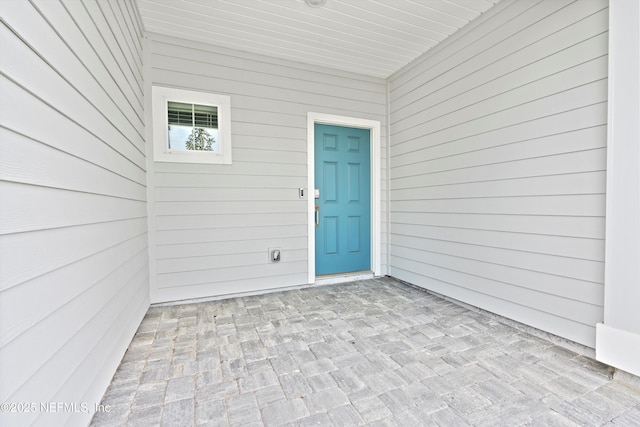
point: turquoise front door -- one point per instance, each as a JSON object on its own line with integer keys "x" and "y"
{"x": 343, "y": 208}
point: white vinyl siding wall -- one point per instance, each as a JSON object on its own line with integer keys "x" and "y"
{"x": 73, "y": 230}
{"x": 212, "y": 225}
{"x": 498, "y": 165}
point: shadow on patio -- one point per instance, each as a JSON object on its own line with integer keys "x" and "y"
{"x": 375, "y": 352}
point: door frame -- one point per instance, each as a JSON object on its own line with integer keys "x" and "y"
{"x": 376, "y": 228}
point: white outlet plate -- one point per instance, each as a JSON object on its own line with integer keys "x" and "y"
{"x": 270, "y": 255}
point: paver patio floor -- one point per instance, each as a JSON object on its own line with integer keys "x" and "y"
{"x": 375, "y": 352}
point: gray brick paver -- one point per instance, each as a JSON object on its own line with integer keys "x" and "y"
{"x": 243, "y": 410}
{"x": 349, "y": 359}
{"x": 149, "y": 415}
{"x": 600, "y": 405}
{"x": 565, "y": 387}
{"x": 628, "y": 418}
{"x": 396, "y": 400}
{"x": 206, "y": 391}
{"x": 211, "y": 413}
{"x": 304, "y": 356}
{"x": 284, "y": 411}
{"x": 325, "y": 400}
{"x": 179, "y": 412}
{"x": 130, "y": 370}
{"x": 465, "y": 400}
{"x": 383, "y": 381}
{"x": 284, "y": 364}
{"x": 180, "y": 388}
{"x": 348, "y": 380}
{"x": 234, "y": 369}
{"x": 258, "y": 381}
{"x": 572, "y": 412}
{"x": 294, "y": 385}
{"x": 415, "y": 372}
{"x": 123, "y": 394}
{"x": 496, "y": 390}
{"x": 424, "y": 400}
{"x": 319, "y": 366}
{"x": 150, "y": 394}
{"x": 321, "y": 381}
{"x": 312, "y": 420}
{"x": 269, "y": 395}
{"x": 622, "y": 393}
{"x": 552, "y": 419}
{"x": 345, "y": 416}
{"x": 372, "y": 409}
{"x": 411, "y": 419}
{"x": 259, "y": 366}
{"x": 449, "y": 417}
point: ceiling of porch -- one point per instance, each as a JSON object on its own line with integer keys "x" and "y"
{"x": 370, "y": 37}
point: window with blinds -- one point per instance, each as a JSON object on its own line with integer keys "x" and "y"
{"x": 190, "y": 126}
{"x": 205, "y": 116}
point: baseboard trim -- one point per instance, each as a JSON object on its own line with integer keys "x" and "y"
{"x": 333, "y": 279}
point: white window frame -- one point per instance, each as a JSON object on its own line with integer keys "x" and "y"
{"x": 161, "y": 152}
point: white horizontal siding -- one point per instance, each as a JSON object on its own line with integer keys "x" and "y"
{"x": 498, "y": 158}
{"x": 73, "y": 230}
{"x": 212, "y": 225}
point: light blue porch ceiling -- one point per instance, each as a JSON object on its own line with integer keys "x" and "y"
{"x": 370, "y": 37}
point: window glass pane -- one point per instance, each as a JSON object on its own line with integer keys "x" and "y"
{"x": 178, "y": 136}
{"x": 190, "y": 138}
{"x": 180, "y": 114}
{"x": 192, "y": 127}
{"x": 205, "y": 116}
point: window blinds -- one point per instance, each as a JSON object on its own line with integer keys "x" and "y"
{"x": 194, "y": 115}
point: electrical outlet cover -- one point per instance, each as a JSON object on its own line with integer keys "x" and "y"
{"x": 275, "y": 255}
